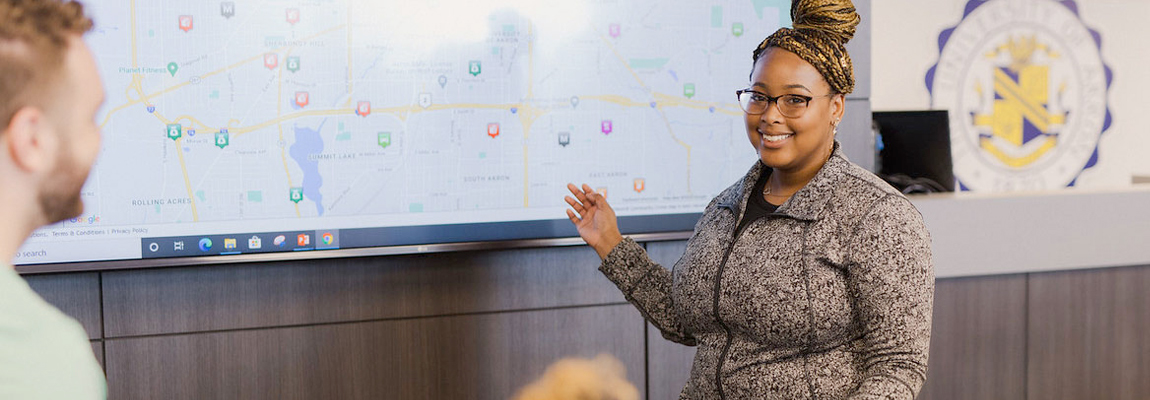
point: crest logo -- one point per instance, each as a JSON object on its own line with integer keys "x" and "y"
{"x": 1027, "y": 93}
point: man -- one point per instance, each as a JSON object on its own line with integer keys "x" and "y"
{"x": 50, "y": 92}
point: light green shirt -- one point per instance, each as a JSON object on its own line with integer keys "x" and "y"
{"x": 44, "y": 354}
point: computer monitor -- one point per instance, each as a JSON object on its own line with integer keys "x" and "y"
{"x": 914, "y": 150}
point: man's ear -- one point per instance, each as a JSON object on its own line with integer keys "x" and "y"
{"x": 27, "y": 142}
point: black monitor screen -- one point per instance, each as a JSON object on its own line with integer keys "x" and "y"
{"x": 915, "y": 150}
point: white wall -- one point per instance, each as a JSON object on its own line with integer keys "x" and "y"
{"x": 905, "y": 46}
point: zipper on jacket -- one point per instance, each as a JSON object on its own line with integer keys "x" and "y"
{"x": 735, "y": 234}
{"x": 718, "y": 286}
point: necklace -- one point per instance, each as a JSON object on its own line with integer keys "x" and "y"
{"x": 767, "y": 192}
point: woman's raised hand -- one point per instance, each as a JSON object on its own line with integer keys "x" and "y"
{"x": 594, "y": 219}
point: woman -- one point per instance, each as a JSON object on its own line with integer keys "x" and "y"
{"x": 809, "y": 277}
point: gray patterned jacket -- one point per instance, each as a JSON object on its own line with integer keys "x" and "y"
{"x": 827, "y": 298}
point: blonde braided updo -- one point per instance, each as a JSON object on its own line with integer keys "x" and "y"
{"x": 821, "y": 30}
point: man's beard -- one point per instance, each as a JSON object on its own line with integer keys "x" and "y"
{"x": 60, "y": 194}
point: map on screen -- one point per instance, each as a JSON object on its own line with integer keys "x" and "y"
{"x": 231, "y": 125}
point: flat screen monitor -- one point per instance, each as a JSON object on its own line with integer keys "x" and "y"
{"x": 238, "y": 131}
{"x": 915, "y": 150}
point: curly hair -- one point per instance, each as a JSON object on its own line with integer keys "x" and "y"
{"x": 34, "y": 37}
{"x": 601, "y": 378}
{"x": 821, "y": 31}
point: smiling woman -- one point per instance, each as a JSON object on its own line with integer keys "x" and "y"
{"x": 808, "y": 278}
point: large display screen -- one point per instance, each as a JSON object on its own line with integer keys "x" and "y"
{"x": 241, "y": 127}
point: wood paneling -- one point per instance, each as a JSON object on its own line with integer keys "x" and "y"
{"x": 98, "y": 350}
{"x": 77, "y": 295}
{"x": 463, "y": 357}
{"x": 978, "y": 339}
{"x": 668, "y": 363}
{"x": 147, "y": 302}
{"x": 1088, "y": 334}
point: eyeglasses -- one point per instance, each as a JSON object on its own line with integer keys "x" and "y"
{"x": 789, "y": 105}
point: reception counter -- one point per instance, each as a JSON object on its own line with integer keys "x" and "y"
{"x": 992, "y": 234}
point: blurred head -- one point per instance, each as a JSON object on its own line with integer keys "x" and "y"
{"x": 602, "y": 378}
{"x": 799, "y": 83}
{"x": 50, "y": 92}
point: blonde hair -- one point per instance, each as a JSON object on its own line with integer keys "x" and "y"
{"x": 821, "y": 31}
{"x": 33, "y": 41}
{"x": 602, "y": 378}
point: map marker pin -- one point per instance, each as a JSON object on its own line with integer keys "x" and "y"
{"x": 222, "y": 139}
{"x": 384, "y": 139}
{"x": 292, "y": 15}
{"x": 228, "y": 9}
{"x": 185, "y": 23}
{"x": 173, "y": 67}
{"x": 174, "y": 131}
{"x": 442, "y": 81}
{"x": 574, "y": 101}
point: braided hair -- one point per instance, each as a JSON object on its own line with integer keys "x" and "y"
{"x": 821, "y": 30}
